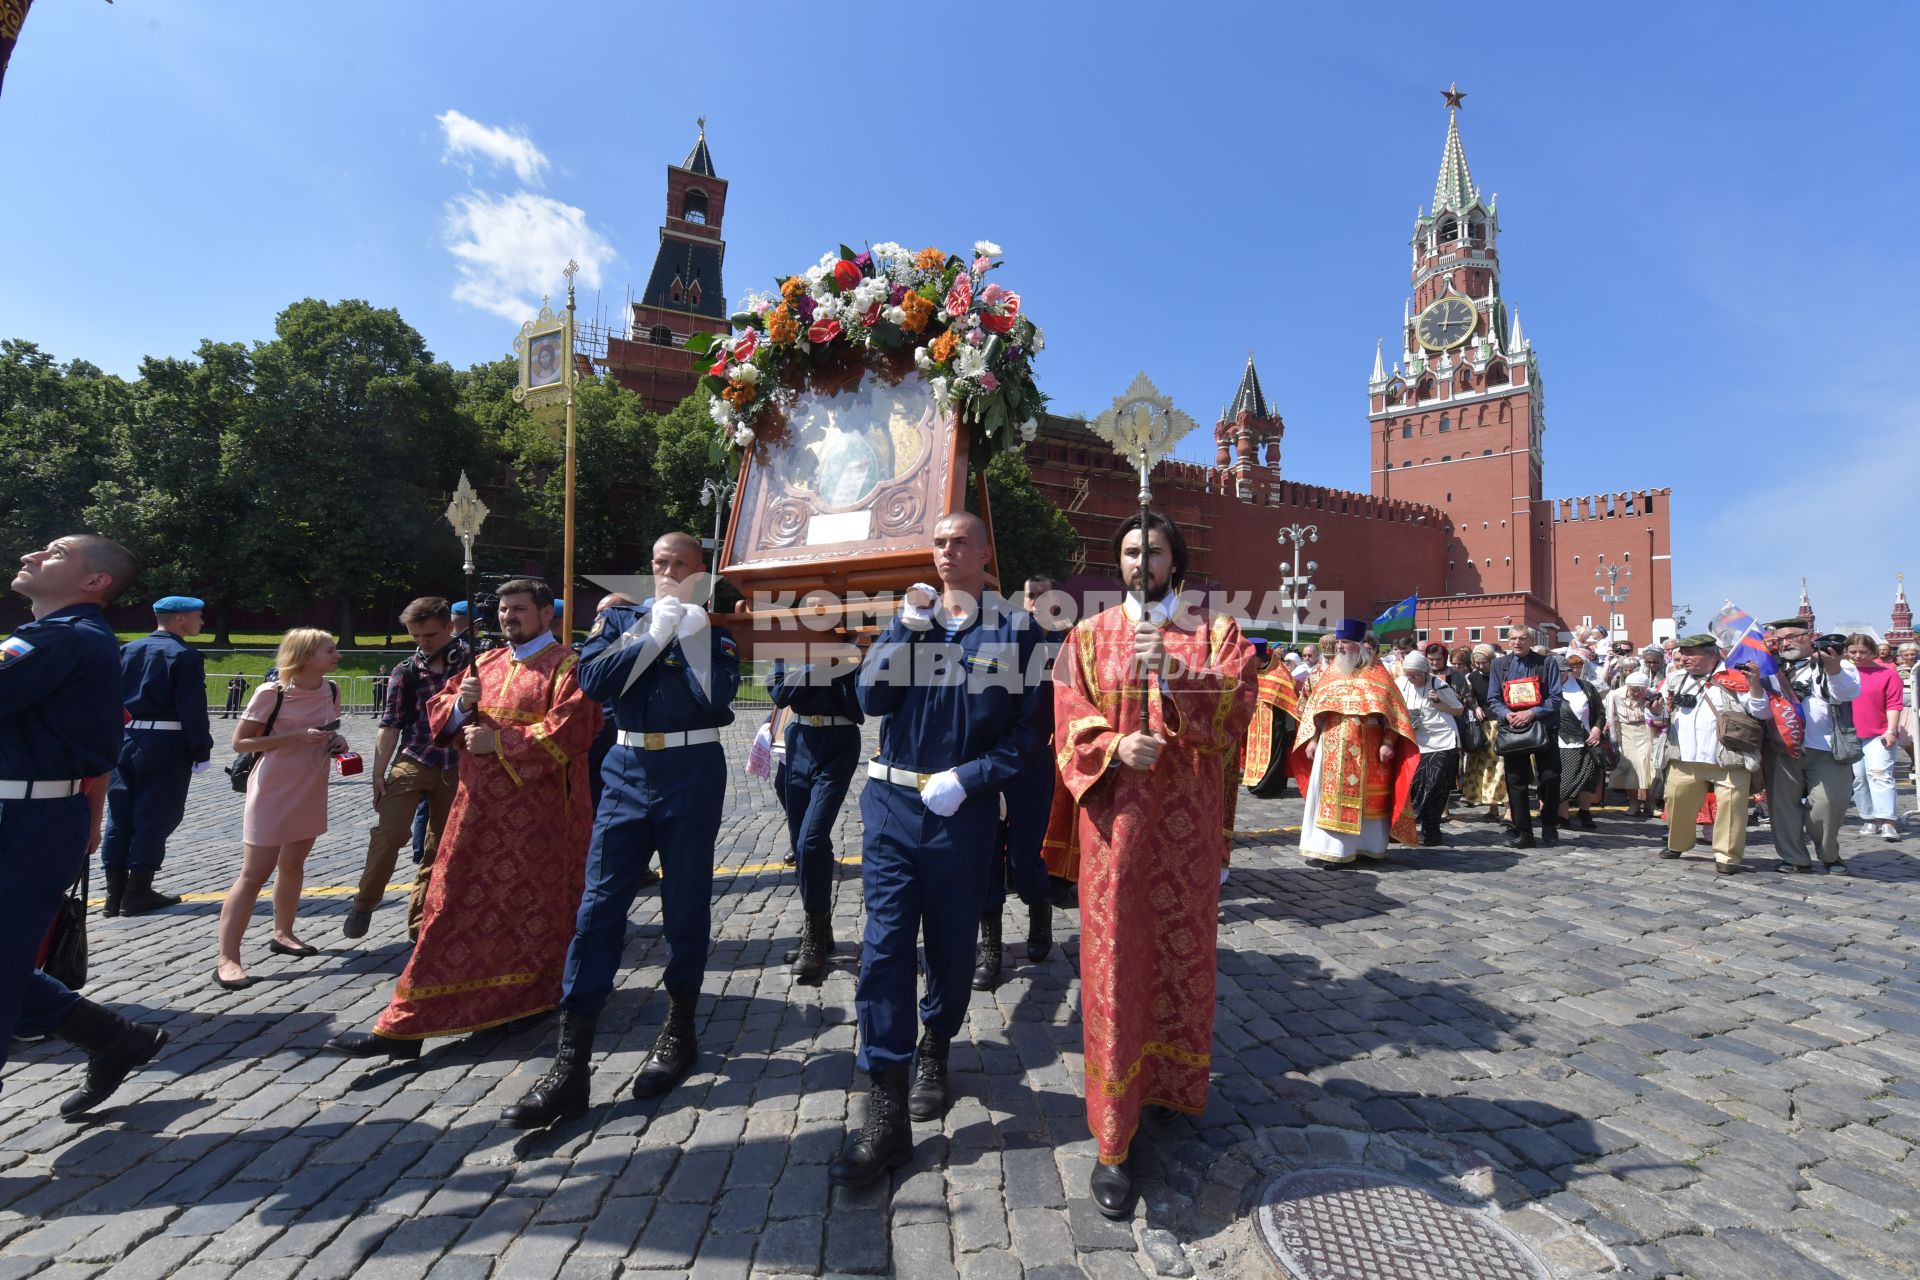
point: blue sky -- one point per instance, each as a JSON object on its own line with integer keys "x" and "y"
{"x": 1706, "y": 209}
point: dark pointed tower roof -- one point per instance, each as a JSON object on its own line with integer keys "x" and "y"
{"x": 1249, "y": 398}
{"x": 700, "y": 160}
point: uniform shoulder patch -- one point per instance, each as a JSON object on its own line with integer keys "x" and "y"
{"x": 728, "y": 647}
{"x": 14, "y": 648}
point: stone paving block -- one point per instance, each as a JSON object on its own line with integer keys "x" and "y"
{"x": 671, "y": 1237}
{"x": 349, "y": 1248}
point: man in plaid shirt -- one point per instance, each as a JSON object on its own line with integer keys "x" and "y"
{"x": 421, "y": 770}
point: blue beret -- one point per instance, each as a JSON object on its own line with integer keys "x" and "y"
{"x": 178, "y": 604}
{"x": 558, "y": 604}
{"x": 460, "y": 607}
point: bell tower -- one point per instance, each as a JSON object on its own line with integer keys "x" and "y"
{"x": 1456, "y": 421}
{"x": 684, "y": 293}
{"x": 1245, "y": 426}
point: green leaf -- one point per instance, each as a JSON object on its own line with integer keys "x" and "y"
{"x": 716, "y": 452}
{"x": 701, "y": 343}
{"x": 846, "y": 254}
{"x": 711, "y": 385}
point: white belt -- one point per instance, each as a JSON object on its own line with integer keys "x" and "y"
{"x": 661, "y": 741}
{"x": 899, "y": 777}
{"x": 154, "y": 724}
{"x": 821, "y": 722}
{"x": 40, "y": 790}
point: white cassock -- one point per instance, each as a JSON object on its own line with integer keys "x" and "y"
{"x": 1320, "y": 845}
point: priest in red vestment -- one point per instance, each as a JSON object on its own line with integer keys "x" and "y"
{"x": 1354, "y": 757}
{"x": 1146, "y": 837}
{"x": 513, "y": 859}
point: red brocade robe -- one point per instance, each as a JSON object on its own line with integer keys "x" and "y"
{"x": 1147, "y": 848}
{"x": 1350, "y": 717}
{"x": 512, "y": 863}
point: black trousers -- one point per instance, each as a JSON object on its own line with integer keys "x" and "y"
{"x": 1530, "y": 770}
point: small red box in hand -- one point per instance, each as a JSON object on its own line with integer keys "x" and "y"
{"x": 349, "y": 763}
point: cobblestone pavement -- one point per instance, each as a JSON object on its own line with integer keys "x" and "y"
{"x": 1639, "y": 1067}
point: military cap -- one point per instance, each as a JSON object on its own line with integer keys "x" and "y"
{"x": 1782, "y": 624}
{"x": 178, "y": 604}
{"x": 1699, "y": 640}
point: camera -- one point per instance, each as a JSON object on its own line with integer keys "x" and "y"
{"x": 1686, "y": 701}
{"x": 1833, "y": 642}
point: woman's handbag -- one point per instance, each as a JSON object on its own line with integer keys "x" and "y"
{"x": 1473, "y": 736}
{"x": 1509, "y": 741}
{"x": 241, "y": 765}
{"x": 64, "y": 956}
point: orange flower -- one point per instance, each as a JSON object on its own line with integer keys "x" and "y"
{"x": 793, "y": 288}
{"x": 781, "y": 326}
{"x": 944, "y": 346}
{"x": 738, "y": 394}
{"x": 930, "y": 260}
{"x": 918, "y": 312}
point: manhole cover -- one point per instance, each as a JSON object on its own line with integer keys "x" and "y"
{"x": 1350, "y": 1224}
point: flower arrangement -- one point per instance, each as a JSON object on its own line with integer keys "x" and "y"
{"x": 890, "y": 310}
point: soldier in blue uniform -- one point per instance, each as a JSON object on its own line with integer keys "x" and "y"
{"x": 822, "y": 751}
{"x": 1018, "y": 860}
{"x": 670, "y": 677}
{"x": 60, "y": 721}
{"x": 163, "y": 685}
{"x": 962, "y": 721}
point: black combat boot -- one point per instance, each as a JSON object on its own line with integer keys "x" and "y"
{"x": 885, "y": 1142}
{"x": 1039, "y": 931}
{"x": 927, "y": 1100}
{"x": 116, "y": 889}
{"x": 114, "y": 1047}
{"x": 986, "y": 975}
{"x": 816, "y": 944}
{"x": 141, "y": 897}
{"x": 674, "y": 1053}
{"x": 562, "y": 1092}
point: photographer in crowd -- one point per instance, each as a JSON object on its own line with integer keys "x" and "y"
{"x": 1709, "y": 705}
{"x": 1810, "y": 745}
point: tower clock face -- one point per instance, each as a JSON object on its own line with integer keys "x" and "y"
{"x": 1447, "y": 322}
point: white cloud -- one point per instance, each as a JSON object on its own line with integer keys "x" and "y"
{"x": 510, "y": 250}
{"x": 467, "y": 138}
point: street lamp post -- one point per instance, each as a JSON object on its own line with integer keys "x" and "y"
{"x": 1613, "y": 593}
{"x": 1296, "y": 577}
{"x": 466, "y": 513}
{"x": 717, "y": 494}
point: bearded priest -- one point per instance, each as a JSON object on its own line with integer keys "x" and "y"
{"x": 1144, "y": 763}
{"x": 513, "y": 859}
{"x": 1355, "y": 756}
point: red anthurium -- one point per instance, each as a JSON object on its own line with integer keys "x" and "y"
{"x": 998, "y": 309}
{"x": 846, "y": 274}
{"x": 824, "y": 332}
{"x": 743, "y": 350}
{"x": 719, "y": 369}
{"x": 960, "y": 297}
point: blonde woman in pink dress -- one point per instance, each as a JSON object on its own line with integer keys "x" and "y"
{"x": 286, "y": 794}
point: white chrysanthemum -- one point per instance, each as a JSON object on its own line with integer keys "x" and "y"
{"x": 896, "y": 315}
{"x": 747, "y": 373}
{"x": 921, "y": 359}
{"x": 813, "y": 276}
{"x": 888, "y": 251}
{"x": 720, "y": 411}
{"x": 970, "y": 363}
{"x": 1029, "y": 429}
{"x": 743, "y": 435}
{"x": 985, "y": 249}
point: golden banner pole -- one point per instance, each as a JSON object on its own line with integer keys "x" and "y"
{"x": 566, "y": 555}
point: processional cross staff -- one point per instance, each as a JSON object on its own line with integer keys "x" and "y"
{"x": 1142, "y": 427}
{"x": 466, "y": 513}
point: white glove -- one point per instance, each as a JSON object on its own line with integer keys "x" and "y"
{"x": 912, "y": 614}
{"x": 203, "y": 766}
{"x": 663, "y": 620}
{"x": 943, "y": 794}
{"x": 692, "y": 621}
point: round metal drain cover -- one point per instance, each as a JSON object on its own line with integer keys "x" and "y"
{"x": 1354, "y": 1224}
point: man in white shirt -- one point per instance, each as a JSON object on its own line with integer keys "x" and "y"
{"x": 1431, "y": 705}
{"x": 1804, "y": 778}
{"x": 1697, "y": 763}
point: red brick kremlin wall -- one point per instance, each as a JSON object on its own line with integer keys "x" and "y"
{"x": 1375, "y": 550}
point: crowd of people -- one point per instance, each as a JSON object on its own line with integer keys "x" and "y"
{"x": 1097, "y": 764}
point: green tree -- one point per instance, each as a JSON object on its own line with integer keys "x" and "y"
{"x": 1030, "y": 533}
{"x": 55, "y": 424}
{"x": 168, "y": 492}
{"x": 683, "y": 465}
{"x": 348, "y": 449}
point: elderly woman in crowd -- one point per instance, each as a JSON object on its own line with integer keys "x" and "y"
{"x": 1431, "y": 705}
{"x": 1583, "y": 718}
{"x": 292, "y": 724}
{"x": 1630, "y": 714}
{"x": 1482, "y": 781}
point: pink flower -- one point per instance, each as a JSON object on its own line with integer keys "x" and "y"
{"x": 998, "y": 308}
{"x": 982, "y": 265}
{"x": 960, "y": 297}
{"x": 989, "y": 383}
{"x": 743, "y": 350}
{"x": 846, "y": 274}
{"x": 824, "y": 332}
